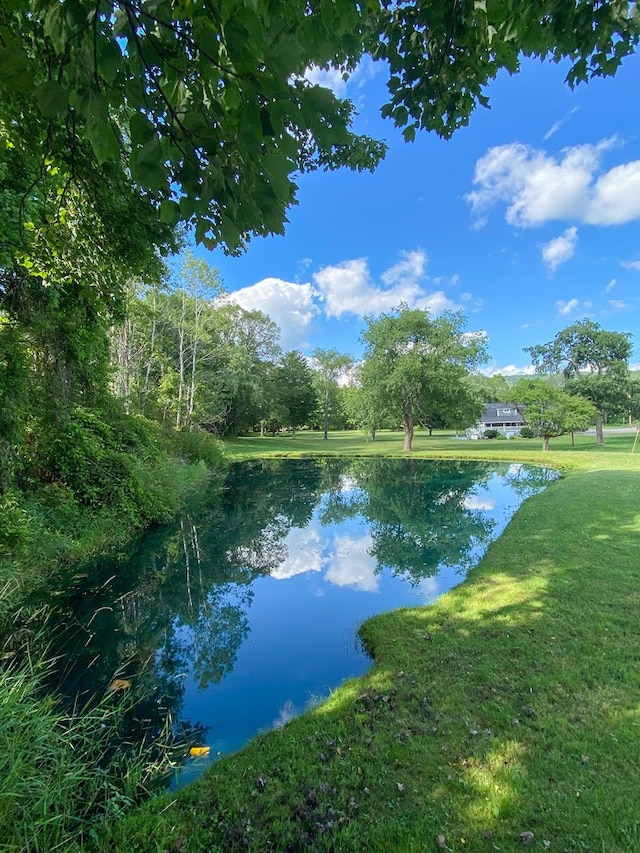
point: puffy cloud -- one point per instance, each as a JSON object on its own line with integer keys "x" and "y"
{"x": 537, "y": 187}
{"x": 573, "y": 306}
{"x": 561, "y": 249}
{"x": 329, "y": 78}
{"x": 610, "y": 286}
{"x": 289, "y": 304}
{"x": 407, "y": 271}
{"x": 618, "y": 304}
{"x": 616, "y": 196}
{"x": 347, "y": 287}
{"x": 338, "y": 80}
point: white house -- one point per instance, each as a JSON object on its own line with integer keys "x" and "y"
{"x": 507, "y": 418}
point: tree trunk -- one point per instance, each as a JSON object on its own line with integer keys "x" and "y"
{"x": 599, "y": 431}
{"x": 181, "y": 354}
{"x": 408, "y": 429}
{"x": 573, "y": 439}
{"x": 326, "y": 412}
{"x": 152, "y": 347}
{"x": 545, "y": 442}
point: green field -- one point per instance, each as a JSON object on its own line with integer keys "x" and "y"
{"x": 504, "y": 716}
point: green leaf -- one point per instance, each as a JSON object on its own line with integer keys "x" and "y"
{"x": 17, "y": 73}
{"x": 141, "y": 129}
{"x": 170, "y": 212}
{"x": 51, "y": 99}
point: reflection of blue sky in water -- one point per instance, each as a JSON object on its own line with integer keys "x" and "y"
{"x": 304, "y": 617}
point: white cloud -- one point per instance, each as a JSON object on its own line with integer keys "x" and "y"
{"x": 616, "y": 196}
{"x": 329, "y": 78}
{"x": 610, "y": 286}
{"x": 347, "y": 287}
{"x": 573, "y": 306}
{"x": 509, "y": 370}
{"x": 288, "y": 304}
{"x": 352, "y": 565}
{"x": 560, "y": 250}
{"x": 339, "y": 80}
{"x": 555, "y": 127}
{"x": 631, "y": 265}
{"x": 407, "y": 271}
{"x": 537, "y": 187}
{"x": 618, "y": 304}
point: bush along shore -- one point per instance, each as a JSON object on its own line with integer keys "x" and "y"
{"x": 64, "y": 771}
{"x": 502, "y": 717}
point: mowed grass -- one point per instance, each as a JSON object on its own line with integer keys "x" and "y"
{"x": 506, "y": 716}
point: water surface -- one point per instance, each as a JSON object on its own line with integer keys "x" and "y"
{"x": 246, "y": 611}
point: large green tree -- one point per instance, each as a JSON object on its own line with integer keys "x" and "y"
{"x": 204, "y": 110}
{"x": 295, "y": 397}
{"x": 551, "y": 412}
{"x": 594, "y": 363}
{"x": 414, "y": 364}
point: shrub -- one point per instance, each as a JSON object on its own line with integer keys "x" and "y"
{"x": 491, "y": 433}
{"x": 15, "y": 528}
{"x": 527, "y": 432}
{"x": 197, "y": 445}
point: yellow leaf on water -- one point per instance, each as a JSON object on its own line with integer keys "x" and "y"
{"x": 199, "y": 750}
{"x": 119, "y": 684}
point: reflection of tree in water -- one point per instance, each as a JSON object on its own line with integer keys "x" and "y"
{"x": 177, "y": 599}
{"x": 527, "y": 480}
{"x": 419, "y": 512}
{"x": 176, "y": 602}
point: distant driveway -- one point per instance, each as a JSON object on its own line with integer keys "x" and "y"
{"x": 612, "y": 431}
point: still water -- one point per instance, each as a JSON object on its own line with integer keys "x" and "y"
{"x": 246, "y": 611}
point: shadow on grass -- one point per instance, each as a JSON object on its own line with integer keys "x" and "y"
{"x": 505, "y": 714}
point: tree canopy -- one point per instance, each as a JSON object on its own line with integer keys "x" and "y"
{"x": 593, "y": 361}
{"x": 550, "y": 412}
{"x": 413, "y": 363}
{"x": 203, "y": 112}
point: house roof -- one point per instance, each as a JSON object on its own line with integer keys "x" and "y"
{"x": 503, "y": 412}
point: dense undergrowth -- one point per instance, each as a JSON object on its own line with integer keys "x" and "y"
{"x": 64, "y": 771}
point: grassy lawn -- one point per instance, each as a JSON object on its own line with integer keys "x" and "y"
{"x": 506, "y": 716}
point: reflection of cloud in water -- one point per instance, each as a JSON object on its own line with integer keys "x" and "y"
{"x": 289, "y": 710}
{"x": 352, "y": 565}
{"x": 515, "y": 468}
{"x": 303, "y": 553}
{"x": 429, "y": 589}
{"x": 347, "y": 483}
{"x": 478, "y": 502}
{"x": 286, "y": 713}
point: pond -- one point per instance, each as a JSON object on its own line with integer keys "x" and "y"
{"x": 245, "y": 612}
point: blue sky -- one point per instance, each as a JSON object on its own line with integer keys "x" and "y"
{"x": 527, "y": 220}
